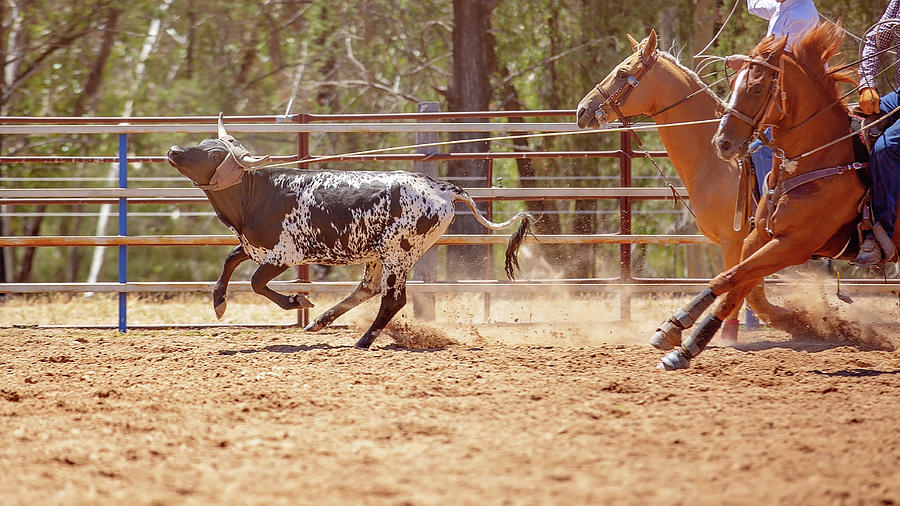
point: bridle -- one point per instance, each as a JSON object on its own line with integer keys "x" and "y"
{"x": 230, "y": 171}
{"x": 617, "y": 98}
{"x": 767, "y": 103}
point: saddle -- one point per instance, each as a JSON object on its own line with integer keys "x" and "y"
{"x": 749, "y": 195}
{"x": 862, "y": 146}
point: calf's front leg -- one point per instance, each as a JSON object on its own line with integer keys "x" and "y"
{"x": 235, "y": 258}
{"x": 260, "y": 282}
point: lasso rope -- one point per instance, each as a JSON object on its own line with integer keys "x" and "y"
{"x": 486, "y": 139}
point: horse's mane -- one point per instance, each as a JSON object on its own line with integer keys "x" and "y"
{"x": 691, "y": 74}
{"x": 812, "y": 52}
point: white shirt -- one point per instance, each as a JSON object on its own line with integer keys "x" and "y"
{"x": 791, "y": 18}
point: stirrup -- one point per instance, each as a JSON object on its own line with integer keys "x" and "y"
{"x": 887, "y": 245}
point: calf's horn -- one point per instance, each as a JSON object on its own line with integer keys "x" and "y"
{"x": 250, "y": 161}
{"x": 222, "y": 132}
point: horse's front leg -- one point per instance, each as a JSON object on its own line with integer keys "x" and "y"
{"x": 680, "y": 358}
{"x": 736, "y": 283}
{"x": 668, "y": 335}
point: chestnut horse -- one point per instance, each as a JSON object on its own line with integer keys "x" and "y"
{"x": 671, "y": 93}
{"x": 813, "y": 208}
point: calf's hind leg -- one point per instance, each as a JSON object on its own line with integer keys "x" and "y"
{"x": 368, "y": 287}
{"x": 393, "y": 298}
{"x": 260, "y": 281}
{"x": 233, "y": 259}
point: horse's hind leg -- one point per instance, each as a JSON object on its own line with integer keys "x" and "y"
{"x": 369, "y": 286}
{"x": 260, "y": 282}
{"x": 234, "y": 258}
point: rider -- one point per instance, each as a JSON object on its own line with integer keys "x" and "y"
{"x": 787, "y": 18}
{"x": 885, "y": 158}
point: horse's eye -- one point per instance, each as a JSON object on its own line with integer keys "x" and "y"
{"x": 622, "y": 74}
{"x": 756, "y": 89}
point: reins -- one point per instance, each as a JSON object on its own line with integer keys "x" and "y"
{"x": 613, "y": 101}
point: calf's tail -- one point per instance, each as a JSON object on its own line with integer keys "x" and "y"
{"x": 515, "y": 240}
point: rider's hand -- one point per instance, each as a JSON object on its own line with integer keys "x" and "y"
{"x": 736, "y": 61}
{"x": 869, "y": 101}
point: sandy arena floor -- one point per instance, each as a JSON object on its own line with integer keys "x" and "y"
{"x": 452, "y": 414}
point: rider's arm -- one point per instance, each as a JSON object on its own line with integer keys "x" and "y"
{"x": 762, "y": 8}
{"x": 881, "y": 37}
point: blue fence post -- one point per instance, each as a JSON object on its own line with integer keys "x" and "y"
{"x": 123, "y": 230}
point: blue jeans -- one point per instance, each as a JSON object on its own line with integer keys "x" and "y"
{"x": 762, "y": 160}
{"x": 884, "y": 164}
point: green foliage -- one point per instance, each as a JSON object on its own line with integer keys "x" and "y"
{"x": 256, "y": 56}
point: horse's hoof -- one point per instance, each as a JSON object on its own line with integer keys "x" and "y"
{"x": 220, "y": 310}
{"x": 673, "y": 361}
{"x": 730, "y": 332}
{"x": 666, "y": 337}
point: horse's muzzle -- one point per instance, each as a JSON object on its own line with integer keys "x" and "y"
{"x": 728, "y": 148}
{"x": 586, "y": 119}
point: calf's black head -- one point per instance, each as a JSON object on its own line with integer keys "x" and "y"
{"x": 214, "y": 164}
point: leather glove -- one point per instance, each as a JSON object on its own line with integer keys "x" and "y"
{"x": 736, "y": 61}
{"x": 869, "y": 101}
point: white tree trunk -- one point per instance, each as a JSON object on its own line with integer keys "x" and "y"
{"x": 139, "y": 70}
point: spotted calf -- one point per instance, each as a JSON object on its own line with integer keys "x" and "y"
{"x": 285, "y": 217}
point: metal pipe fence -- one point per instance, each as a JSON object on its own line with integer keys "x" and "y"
{"x": 303, "y": 125}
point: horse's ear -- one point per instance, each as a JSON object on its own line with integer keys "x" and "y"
{"x": 634, "y": 43}
{"x": 774, "y": 48}
{"x": 649, "y": 45}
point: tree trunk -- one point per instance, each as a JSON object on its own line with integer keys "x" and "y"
{"x": 24, "y": 275}
{"x": 470, "y": 90}
{"x": 95, "y": 78}
{"x": 704, "y": 23}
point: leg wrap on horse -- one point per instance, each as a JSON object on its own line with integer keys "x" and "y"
{"x": 668, "y": 335}
{"x": 692, "y": 346}
{"x": 687, "y": 316}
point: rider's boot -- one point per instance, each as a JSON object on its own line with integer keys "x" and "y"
{"x": 869, "y": 251}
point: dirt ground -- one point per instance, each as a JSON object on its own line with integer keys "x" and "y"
{"x": 447, "y": 414}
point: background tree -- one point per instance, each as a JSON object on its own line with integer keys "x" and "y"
{"x": 74, "y": 57}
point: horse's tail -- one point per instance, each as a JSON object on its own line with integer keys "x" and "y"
{"x": 515, "y": 240}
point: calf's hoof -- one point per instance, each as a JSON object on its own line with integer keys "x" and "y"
{"x": 674, "y": 360}
{"x": 298, "y": 301}
{"x": 666, "y": 337}
{"x": 219, "y": 309}
{"x": 365, "y": 341}
{"x": 315, "y": 326}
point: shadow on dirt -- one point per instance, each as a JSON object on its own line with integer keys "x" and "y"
{"x": 290, "y": 348}
{"x": 856, "y": 373}
{"x": 811, "y": 346}
{"x": 286, "y": 348}
{"x": 807, "y": 346}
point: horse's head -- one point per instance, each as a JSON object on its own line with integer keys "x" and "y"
{"x": 618, "y": 95}
{"x": 788, "y": 90}
{"x": 755, "y": 99}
